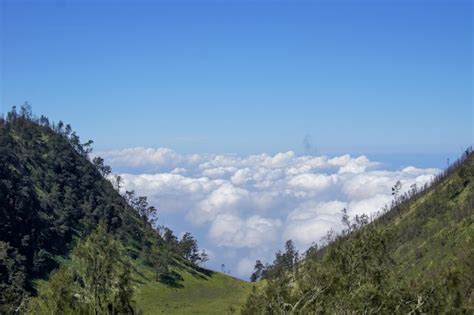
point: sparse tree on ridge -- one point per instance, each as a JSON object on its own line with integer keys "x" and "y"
{"x": 188, "y": 248}
{"x": 396, "y": 194}
{"x": 396, "y": 189}
{"x": 258, "y": 271}
{"x": 117, "y": 182}
{"x": 103, "y": 169}
{"x": 204, "y": 257}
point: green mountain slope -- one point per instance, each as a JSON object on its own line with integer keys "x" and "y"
{"x": 435, "y": 230}
{"x": 416, "y": 257}
{"x": 201, "y": 292}
{"x": 198, "y": 291}
{"x": 52, "y": 197}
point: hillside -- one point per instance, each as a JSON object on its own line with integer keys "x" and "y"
{"x": 64, "y": 225}
{"x": 54, "y": 201}
{"x": 198, "y": 291}
{"x": 202, "y": 292}
{"x": 417, "y": 256}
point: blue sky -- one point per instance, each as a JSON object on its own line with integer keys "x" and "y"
{"x": 372, "y": 77}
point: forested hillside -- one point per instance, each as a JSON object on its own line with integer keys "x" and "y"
{"x": 415, "y": 257}
{"x": 60, "y": 213}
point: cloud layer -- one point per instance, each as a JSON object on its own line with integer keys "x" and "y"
{"x": 251, "y": 204}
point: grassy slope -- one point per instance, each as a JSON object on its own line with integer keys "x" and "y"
{"x": 202, "y": 292}
{"x": 437, "y": 232}
{"x": 434, "y": 233}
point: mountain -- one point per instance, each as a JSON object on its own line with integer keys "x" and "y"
{"x": 71, "y": 243}
{"x": 416, "y": 256}
{"x": 63, "y": 222}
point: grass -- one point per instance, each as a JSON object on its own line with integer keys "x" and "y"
{"x": 198, "y": 292}
{"x": 439, "y": 239}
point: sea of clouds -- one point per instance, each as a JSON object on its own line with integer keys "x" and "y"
{"x": 243, "y": 208}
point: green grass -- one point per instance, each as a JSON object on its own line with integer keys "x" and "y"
{"x": 204, "y": 292}
{"x": 432, "y": 238}
{"x": 199, "y": 291}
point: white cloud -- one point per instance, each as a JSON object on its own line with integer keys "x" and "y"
{"x": 311, "y": 220}
{"x": 225, "y": 198}
{"x": 312, "y": 182}
{"x": 230, "y": 230}
{"x": 254, "y": 203}
{"x": 142, "y": 156}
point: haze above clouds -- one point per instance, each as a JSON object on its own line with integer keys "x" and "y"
{"x": 243, "y": 208}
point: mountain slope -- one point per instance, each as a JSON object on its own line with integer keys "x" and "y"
{"x": 50, "y": 194}
{"x": 52, "y": 197}
{"x": 435, "y": 231}
{"x": 202, "y": 292}
{"x": 196, "y": 291}
{"x": 417, "y": 256}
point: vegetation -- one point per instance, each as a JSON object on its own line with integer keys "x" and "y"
{"x": 416, "y": 257}
{"x": 200, "y": 291}
{"x": 62, "y": 212}
{"x": 97, "y": 280}
{"x": 70, "y": 243}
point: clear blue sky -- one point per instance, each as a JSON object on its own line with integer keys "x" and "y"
{"x": 371, "y": 77}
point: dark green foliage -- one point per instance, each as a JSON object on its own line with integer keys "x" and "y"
{"x": 50, "y": 194}
{"x": 104, "y": 273}
{"x": 188, "y": 248}
{"x": 258, "y": 271}
{"x": 104, "y": 170}
{"x": 12, "y": 278}
{"x": 417, "y": 257}
{"x": 141, "y": 206}
{"x": 96, "y": 281}
{"x": 285, "y": 263}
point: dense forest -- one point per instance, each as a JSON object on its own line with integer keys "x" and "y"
{"x": 61, "y": 210}
{"x": 415, "y": 257}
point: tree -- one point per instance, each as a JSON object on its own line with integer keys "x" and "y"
{"x": 312, "y": 251}
{"x": 12, "y": 279}
{"x": 98, "y": 280}
{"x": 60, "y": 296}
{"x": 103, "y": 169}
{"x": 140, "y": 204}
{"x": 291, "y": 255}
{"x": 25, "y": 110}
{"x": 117, "y": 182}
{"x": 188, "y": 248}
{"x": 396, "y": 193}
{"x": 258, "y": 271}
{"x": 146, "y": 211}
{"x": 170, "y": 239}
{"x": 67, "y": 130}
{"x": 105, "y": 273}
{"x": 203, "y": 257}
{"x": 59, "y": 127}
{"x": 396, "y": 189}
